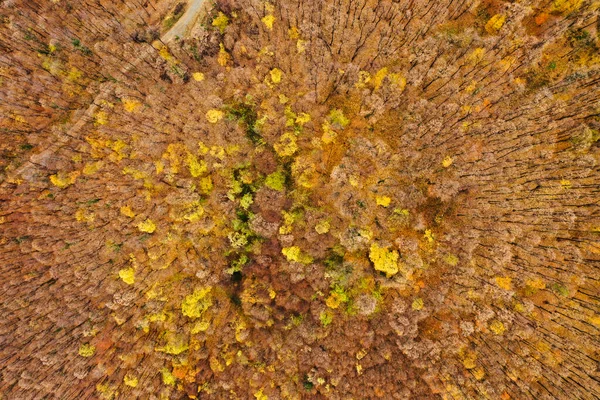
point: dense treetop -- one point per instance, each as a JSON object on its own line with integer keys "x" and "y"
{"x": 294, "y": 199}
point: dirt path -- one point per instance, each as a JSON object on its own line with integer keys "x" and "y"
{"x": 185, "y": 22}
{"x": 27, "y": 170}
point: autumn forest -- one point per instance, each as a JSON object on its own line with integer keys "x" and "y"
{"x": 299, "y": 199}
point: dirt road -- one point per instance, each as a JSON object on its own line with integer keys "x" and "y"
{"x": 185, "y": 22}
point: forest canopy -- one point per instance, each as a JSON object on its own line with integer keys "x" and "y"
{"x": 293, "y": 199}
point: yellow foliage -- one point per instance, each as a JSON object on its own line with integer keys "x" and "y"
{"x": 363, "y": 78}
{"x": 266, "y": 52}
{"x": 127, "y": 275}
{"x": 131, "y": 105}
{"x": 130, "y": 380}
{"x": 168, "y": 378}
{"x": 97, "y": 146}
{"x": 159, "y": 166}
{"x": 383, "y": 201}
{"x": 147, "y": 226}
{"x": 429, "y": 236}
{"x": 495, "y": 23}
{"x": 268, "y": 20}
{"x": 379, "y": 77}
{"x": 594, "y": 320}
{"x": 308, "y": 177}
{"x": 163, "y": 51}
{"x": 451, "y": 259}
{"x": 337, "y": 118}
{"x": 565, "y": 6}
{"x": 206, "y": 185}
{"x": 366, "y": 233}
{"x": 201, "y": 326}
{"x": 542, "y": 346}
{"x": 293, "y": 33}
{"x": 302, "y": 119}
{"x": 106, "y": 392}
{"x": 479, "y": 373}
{"x": 397, "y": 80}
{"x": 504, "y": 283}
{"x": 18, "y": 118}
{"x": 92, "y": 168}
{"x": 322, "y": 227}
{"x": 240, "y": 330}
{"x": 198, "y": 76}
{"x": 101, "y": 118}
{"x": 246, "y": 201}
{"x": 418, "y": 304}
{"x": 291, "y": 253}
{"x": 74, "y": 74}
{"x": 301, "y": 45}
{"x": 384, "y": 260}
{"x": 329, "y": 134}
{"x": 196, "y": 167}
{"x": 276, "y": 74}
{"x": 217, "y": 152}
{"x": 260, "y": 395}
{"x": 497, "y": 327}
{"x": 176, "y": 344}
{"x": 288, "y": 220}
{"x": 223, "y": 57}
{"x": 269, "y": 7}
{"x": 157, "y": 317}
{"x": 276, "y": 181}
{"x": 87, "y": 350}
{"x": 232, "y": 149}
{"x": 536, "y": 283}
{"x": 118, "y": 146}
{"x": 213, "y": 116}
{"x": 336, "y": 298}
{"x": 202, "y": 148}
{"x": 359, "y": 369}
{"x": 195, "y": 304}
{"x": 215, "y": 364}
{"x": 294, "y": 253}
{"x": 472, "y": 86}
{"x": 447, "y": 161}
{"x": 326, "y": 318}
{"x": 83, "y": 215}
{"x": 519, "y": 81}
{"x": 134, "y": 173}
{"x": 507, "y": 62}
{"x": 62, "y": 180}
{"x": 476, "y": 55}
{"x": 126, "y": 210}
{"x": 470, "y": 361}
{"x": 194, "y": 211}
{"x": 221, "y": 21}
{"x": 286, "y": 146}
